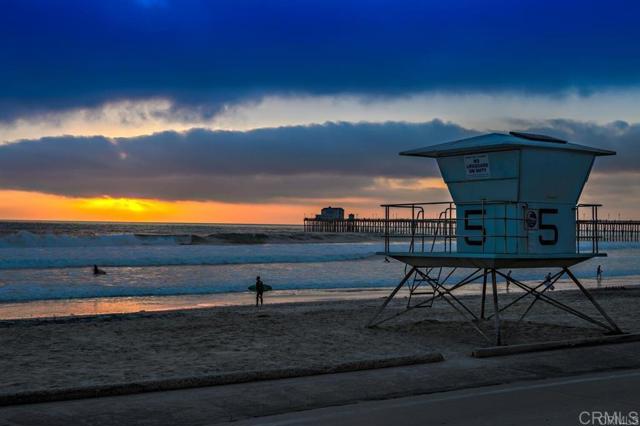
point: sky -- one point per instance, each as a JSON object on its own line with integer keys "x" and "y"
{"x": 263, "y": 112}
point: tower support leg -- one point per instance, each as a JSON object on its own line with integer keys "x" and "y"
{"x": 484, "y": 293}
{"x": 537, "y": 292}
{"x": 550, "y": 300}
{"x": 588, "y": 295}
{"x": 547, "y": 285}
{"x": 496, "y": 309}
{"x": 372, "y": 322}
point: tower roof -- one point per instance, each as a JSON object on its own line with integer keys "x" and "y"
{"x": 501, "y": 142}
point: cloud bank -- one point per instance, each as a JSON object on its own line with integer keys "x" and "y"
{"x": 283, "y": 164}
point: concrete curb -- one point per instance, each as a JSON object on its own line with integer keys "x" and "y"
{"x": 32, "y": 397}
{"x": 547, "y": 346}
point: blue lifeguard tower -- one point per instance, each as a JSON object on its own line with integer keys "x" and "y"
{"x": 515, "y": 205}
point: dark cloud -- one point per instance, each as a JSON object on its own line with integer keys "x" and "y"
{"x": 204, "y": 55}
{"x": 285, "y": 164}
{"x": 619, "y": 136}
{"x": 317, "y": 161}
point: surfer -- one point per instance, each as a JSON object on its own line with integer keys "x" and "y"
{"x": 599, "y": 275}
{"x": 259, "y": 290}
{"x": 98, "y": 271}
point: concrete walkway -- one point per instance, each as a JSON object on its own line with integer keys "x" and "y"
{"x": 570, "y": 401}
{"x": 204, "y": 406}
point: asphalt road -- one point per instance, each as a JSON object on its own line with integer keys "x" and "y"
{"x": 581, "y": 400}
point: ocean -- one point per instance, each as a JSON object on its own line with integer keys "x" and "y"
{"x": 53, "y": 260}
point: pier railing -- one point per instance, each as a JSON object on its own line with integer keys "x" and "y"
{"x": 609, "y": 230}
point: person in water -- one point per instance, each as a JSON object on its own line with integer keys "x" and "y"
{"x": 98, "y": 271}
{"x": 259, "y": 290}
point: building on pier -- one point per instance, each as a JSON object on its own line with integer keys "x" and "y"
{"x": 331, "y": 213}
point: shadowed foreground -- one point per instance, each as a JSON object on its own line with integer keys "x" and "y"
{"x": 116, "y": 349}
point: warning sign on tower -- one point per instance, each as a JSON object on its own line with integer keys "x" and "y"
{"x": 477, "y": 166}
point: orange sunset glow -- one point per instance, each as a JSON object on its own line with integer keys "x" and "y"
{"x": 25, "y": 205}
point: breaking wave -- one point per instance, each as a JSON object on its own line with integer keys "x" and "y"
{"x": 173, "y": 254}
{"x": 29, "y": 239}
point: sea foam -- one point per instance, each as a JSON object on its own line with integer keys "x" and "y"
{"x": 123, "y": 255}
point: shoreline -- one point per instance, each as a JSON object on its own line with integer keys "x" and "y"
{"x": 66, "y": 308}
{"x": 81, "y": 307}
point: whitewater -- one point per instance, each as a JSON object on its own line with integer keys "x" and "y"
{"x": 37, "y": 257}
{"x": 52, "y": 261}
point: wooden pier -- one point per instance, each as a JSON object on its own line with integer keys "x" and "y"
{"x": 612, "y": 230}
{"x": 609, "y": 230}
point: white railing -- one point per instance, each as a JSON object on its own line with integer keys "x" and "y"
{"x": 408, "y": 222}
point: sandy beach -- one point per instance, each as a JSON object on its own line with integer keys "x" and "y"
{"x": 39, "y": 354}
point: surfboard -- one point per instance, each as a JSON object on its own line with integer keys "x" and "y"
{"x": 266, "y": 287}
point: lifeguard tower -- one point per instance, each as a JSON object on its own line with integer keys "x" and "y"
{"x": 514, "y": 206}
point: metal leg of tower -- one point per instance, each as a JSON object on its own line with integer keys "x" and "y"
{"x": 484, "y": 293}
{"x": 588, "y": 295}
{"x": 440, "y": 292}
{"x": 443, "y": 291}
{"x": 414, "y": 289}
{"x": 496, "y": 309}
{"x": 517, "y": 299}
{"x": 466, "y": 280}
{"x": 372, "y": 322}
{"x": 547, "y": 285}
{"x": 546, "y": 298}
{"x": 473, "y": 323}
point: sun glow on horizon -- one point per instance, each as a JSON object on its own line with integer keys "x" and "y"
{"x": 128, "y": 205}
{"x": 25, "y": 205}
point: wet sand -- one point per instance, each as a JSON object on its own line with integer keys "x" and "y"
{"x": 125, "y": 305}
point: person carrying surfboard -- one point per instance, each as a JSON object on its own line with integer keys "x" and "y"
{"x": 259, "y": 290}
